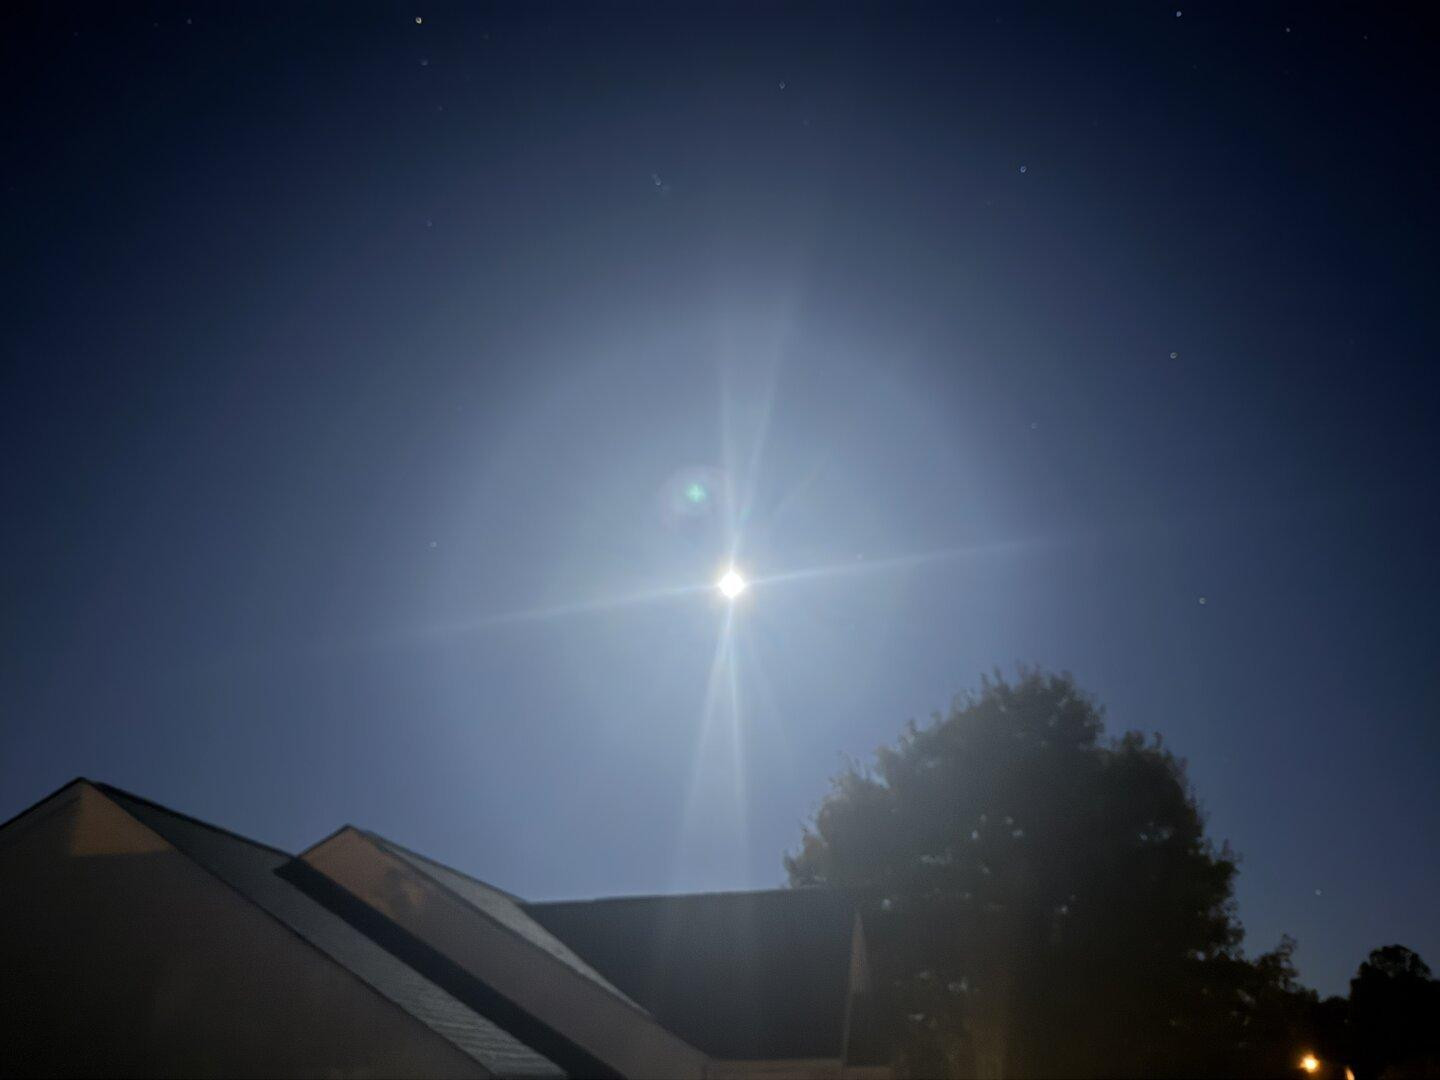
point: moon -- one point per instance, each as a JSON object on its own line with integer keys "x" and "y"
{"x": 731, "y": 584}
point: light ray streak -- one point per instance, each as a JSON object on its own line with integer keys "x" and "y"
{"x": 557, "y": 611}
{"x": 770, "y": 712}
{"x": 737, "y": 751}
{"x": 757, "y": 447}
{"x": 896, "y": 562}
{"x": 727, "y": 462}
{"x": 742, "y": 479}
{"x": 693, "y": 798}
{"x": 791, "y": 497}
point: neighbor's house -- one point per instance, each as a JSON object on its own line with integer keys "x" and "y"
{"x": 137, "y": 941}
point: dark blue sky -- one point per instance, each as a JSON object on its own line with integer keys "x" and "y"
{"x": 336, "y": 343}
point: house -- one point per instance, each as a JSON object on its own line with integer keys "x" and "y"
{"x": 135, "y": 940}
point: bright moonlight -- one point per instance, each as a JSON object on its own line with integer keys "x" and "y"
{"x": 731, "y": 585}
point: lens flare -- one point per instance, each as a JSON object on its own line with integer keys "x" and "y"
{"x": 731, "y": 585}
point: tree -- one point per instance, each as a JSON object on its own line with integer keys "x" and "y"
{"x": 1042, "y": 901}
{"x": 1394, "y": 1020}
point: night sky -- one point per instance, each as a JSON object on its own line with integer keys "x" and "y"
{"x": 384, "y": 388}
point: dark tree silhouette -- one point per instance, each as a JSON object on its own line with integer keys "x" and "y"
{"x": 1394, "y": 1016}
{"x": 1043, "y": 902}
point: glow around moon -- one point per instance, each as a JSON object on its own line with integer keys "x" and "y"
{"x": 731, "y": 584}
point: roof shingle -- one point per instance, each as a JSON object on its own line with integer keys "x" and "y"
{"x": 254, "y": 871}
{"x": 754, "y": 975}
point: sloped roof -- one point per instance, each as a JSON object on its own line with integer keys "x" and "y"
{"x": 753, "y": 975}
{"x": 252, "y": 869}
{"x": 511, "y": 978}
{"x": 499, "y": 905}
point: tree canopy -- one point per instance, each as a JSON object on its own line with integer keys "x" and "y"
{"x": 1043, "y": 901}
{"x": 1393, "y": 1027}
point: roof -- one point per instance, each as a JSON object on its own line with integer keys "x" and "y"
{"x": 254, "y": 871}
{"x": 532, "y": 1011}
{"x": 752, "y": 975}
{"x": 502, "y": 907}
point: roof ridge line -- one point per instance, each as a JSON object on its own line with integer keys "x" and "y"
{"x": 436, "y": 862}
{"x": 604, "y": 985}
{"x": 13, "y": 818}
{"x": 778, "y": 891}
{"x": 111, "y": 789}
{"x": 250, "y": 902}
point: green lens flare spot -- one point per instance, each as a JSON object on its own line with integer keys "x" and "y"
{"x": 696, "y": 493}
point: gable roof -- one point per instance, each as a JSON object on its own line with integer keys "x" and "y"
{"x": 254, "y": 870}
{"x": 752, "y": 975}
{"x": 740, "y": 976}
{"x": 502, "y": 907}
{"x": 478, "y": 942}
